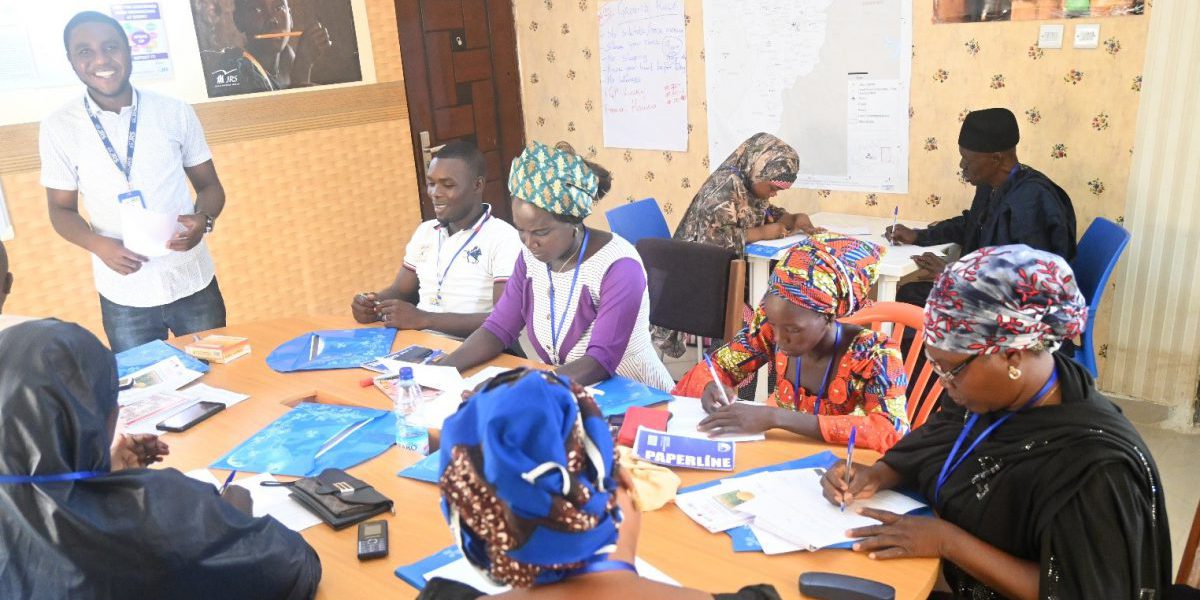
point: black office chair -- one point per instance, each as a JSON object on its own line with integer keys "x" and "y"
{"x": 694, "y": 288}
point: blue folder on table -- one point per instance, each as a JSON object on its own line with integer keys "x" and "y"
{"x": 332, "y": 349}
{"x": 425, "y": 469}
{"x": 289, "y": 444}
{"x": 414, "y": 574}
{"x": 742, "y": 537}
{"x": 620, "y": 393}
{"x": 137, "y": 358}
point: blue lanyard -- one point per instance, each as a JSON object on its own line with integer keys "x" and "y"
{"x": 555, "y": 331}
{"x": 487, "y": 214}
{"x": 127, "y": 168}
{"x": 61, "y": 477}
{"x": 601, "y": 566}
{"x": 837, "y": 341}
{"x": 952, "y": 465}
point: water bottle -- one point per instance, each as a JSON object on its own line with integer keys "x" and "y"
{"x": 407, "y": 399}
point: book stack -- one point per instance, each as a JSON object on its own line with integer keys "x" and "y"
{"x": 220, "y": 349}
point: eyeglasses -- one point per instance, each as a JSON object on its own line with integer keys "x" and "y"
{"x": 948, "y": 376}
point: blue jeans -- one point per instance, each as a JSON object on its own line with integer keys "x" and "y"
{"x": 128, "y": 326}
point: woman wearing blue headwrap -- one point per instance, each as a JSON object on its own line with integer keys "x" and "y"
{"x": 1043, "y": 488}
{"x": 578, "y": 293}
{"x": 534, "y": 499}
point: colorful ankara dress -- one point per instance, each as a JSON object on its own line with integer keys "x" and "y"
{"x": 865, "y": 388}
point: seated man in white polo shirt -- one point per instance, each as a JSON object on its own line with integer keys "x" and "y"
{"x": 456, "y": 265}
{"x": 131, "y": 153}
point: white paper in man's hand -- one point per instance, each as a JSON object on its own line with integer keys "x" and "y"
{"x": 147, "y": 232}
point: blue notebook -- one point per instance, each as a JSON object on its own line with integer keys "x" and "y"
{"x": 138, "y": 358}
{"x": 620, "y": 393}
{"x": 742, "y": 537}
{"x": 332, "y": 349}
{"x": 414, "y": 574}
{"x": 289, "y": 444}
{"x": 425, "y": 469}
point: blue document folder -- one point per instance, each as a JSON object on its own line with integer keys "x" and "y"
{"x": 414, "y": 574}
{"x": 620, "y": 393}
{"x": 332, "y": 349}
{"x": 425, "y": 469}
{"x": 138, "y": 358}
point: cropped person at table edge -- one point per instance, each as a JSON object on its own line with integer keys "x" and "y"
{"x": 81, "y": 516}
{"x": 832, "y": 377}
{"x": 577, "y": 292}
{"x": 1043, "y": 488}
{"x": 456, "y": 265}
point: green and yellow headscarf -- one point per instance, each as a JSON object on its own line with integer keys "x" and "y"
{"x": 553, "y": 180}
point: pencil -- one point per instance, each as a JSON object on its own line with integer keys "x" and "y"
{"x": 281, "y": 34}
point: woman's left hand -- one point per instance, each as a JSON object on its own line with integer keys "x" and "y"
{"x": 902, "y": 536}
{"x": 134, "y": 450}
{"x": 739, "y": 418}
{"x": 799, "y": 222}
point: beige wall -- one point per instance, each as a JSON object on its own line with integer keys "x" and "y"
{"x": 311, "y": 217}
{"x": 1155, "y": 348}
{"x": 954, "y": 70}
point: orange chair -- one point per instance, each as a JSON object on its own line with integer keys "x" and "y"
{"x": 1189, "y": 567}
{"x": 924, "y": 388}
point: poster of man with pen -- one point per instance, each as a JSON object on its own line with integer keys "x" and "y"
{"x": 249, "y": 46}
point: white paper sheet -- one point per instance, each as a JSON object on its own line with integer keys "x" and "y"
{"x": 437, "y": 377}
{"x": 147, "y": 232}
{"x": 820, "y": 523}
{"x": 643, "y": 74}
{"x": 710, "y": 507}
{"x": 166, "y": 375}
{"x": 686, "y": 414}
{"x": 462, "y": 572}
{"x": 277, "y": 502}
{"x": 273, "y": 501}
{"x": 434, "y": 413}
{"x": 207, "y": 393}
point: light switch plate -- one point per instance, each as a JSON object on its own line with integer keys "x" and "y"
{"x": 1050, "y": 36}
{"x": 1087, "y": 36}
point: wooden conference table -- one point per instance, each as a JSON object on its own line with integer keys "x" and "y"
{"x": 669, "y": 540}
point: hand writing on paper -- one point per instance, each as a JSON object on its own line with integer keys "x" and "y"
{"x": 902, "y": 536}
{"x": 900, "y": 234}
{"x": 739, "y": 418}
{"x": 864, "y": 482}
{"x": 117, "y": 257}
{"x": 712, "y": 399}
{"x": 131, "y": 451}
{"x": 931, "y": 263}
{"x": 239, "y": 497}
{"x": 799, "y": 222}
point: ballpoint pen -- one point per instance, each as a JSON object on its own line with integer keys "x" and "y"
{"x": 849, "y": 461}
{"x": 895, "y": 219}
{"x": 228, "y": 480}
{"x": 720, "y": 387}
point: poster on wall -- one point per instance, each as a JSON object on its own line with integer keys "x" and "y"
{"x": 974, "y": 11}
{"x": 249, "y": 46}
{"x": 643, "y": 74}
{"x": 31, "y": 46}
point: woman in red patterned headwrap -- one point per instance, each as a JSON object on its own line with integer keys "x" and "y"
{"x": 832, "y": 377}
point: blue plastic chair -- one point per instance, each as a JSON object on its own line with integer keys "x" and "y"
{"x": 638, "y": 220}
{"x": 1095, "y": 259}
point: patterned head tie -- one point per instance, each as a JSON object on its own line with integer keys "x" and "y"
{"x": 1004, "y": 297}
{"x": 827, "y": 273}
{"x": 554, "y": 180}
{"x": 527, "y": 479}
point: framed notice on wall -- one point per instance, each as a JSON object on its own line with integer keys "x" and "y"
{"x": 973, "y": 11}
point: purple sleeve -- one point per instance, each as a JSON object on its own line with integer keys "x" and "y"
{"x": 621, "y": 293}
{"x": 508, "y": 317}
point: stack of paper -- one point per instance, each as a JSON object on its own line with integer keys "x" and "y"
{"x": 686, "y": 414}
{"x": 785, "y": 509}
{"x": 152, "y": 394}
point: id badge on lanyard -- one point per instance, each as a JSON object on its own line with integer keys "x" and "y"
{"x": 131, "y": 196}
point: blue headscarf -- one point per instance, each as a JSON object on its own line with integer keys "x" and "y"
{"x": 527, "y": 479}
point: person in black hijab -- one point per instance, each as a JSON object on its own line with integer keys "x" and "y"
{"x": 1014, "y": 203}
{"x": 74, "y": 526}
{"x": 1042, "y": 488}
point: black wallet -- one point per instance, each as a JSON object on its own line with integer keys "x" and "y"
{"x": 339, "y": 499}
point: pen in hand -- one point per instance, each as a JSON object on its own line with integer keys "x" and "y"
{"x": 849, "y": 461}
{"x": 892, "y": 230}
{"x": 717, "y": 380}
{"x": 228, "y": 480}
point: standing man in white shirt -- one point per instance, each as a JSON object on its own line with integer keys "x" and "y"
{"x": 116, "y": 145}
{"x": 456, "y": 265}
